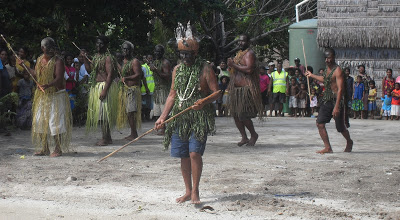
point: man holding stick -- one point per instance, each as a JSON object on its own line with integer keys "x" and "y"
{"x": 130, "y": 95}
{"x": 333, "y": 102}
{"x": 103, "y": 98}
{"x": 192, "y": 80}
{"x": 52, "y": 119}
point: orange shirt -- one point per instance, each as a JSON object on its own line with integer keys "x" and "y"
{"x": 396, "y": 100}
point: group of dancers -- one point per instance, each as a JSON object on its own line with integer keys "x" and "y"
{"x": 117, "y": 103}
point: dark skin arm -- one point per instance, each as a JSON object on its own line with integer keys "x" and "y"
{"x": 88, "y": 65}
{"x": 383, "y": 87}
{"x": 169, "y": 103}
{"x": 208, "y": 82}
{"x": 109, "y": 79}
{"x": 270, "y": 87}
{"x": 340, "y": 82}
{"x": 31, "y": 71}
{"x": 318, "y": 78}
{"x": 137, "y": 71}
{"x": 287, "y": 85}
{"x": 248, "y": 66}
{"x": 165, "y": 71}
{"x": 144, "y": 82}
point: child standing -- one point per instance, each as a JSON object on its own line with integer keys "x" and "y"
{"x": 314, "y": 101}
{"x": 294, "y": 89}
{"x": 302, "y": 96}
{"x": 395, "y": 110}
{"x": 372, "y": 98}
{"x": 358, "y": 95}
{"x": 387, "y": 104}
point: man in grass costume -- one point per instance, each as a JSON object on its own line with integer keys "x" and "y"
{"x": 192, "y": 80}
{"x": 103, "y": 98}
{"x": 130, "y": 96}
{"x": 52, "y": 118}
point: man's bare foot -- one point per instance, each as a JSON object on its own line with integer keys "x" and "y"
{"x": 130, "y": 137}
{"x": 195, "y": 198}
{"x": 41, "y": 153}
{"x": 184, "y": 198}
{"x": 349, "y": 146}
{"x": 243, "y": 142}
{"x": 253, "y": 140}
{"x": 325, "y": 151}
{"x": 103, "y": 142}
{"x": 56, "y": 154}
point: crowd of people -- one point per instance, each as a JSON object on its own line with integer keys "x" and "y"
{"x": 109, "y": 91}
{"x": 282, "y": 90}
{"x": 285, "y": 91}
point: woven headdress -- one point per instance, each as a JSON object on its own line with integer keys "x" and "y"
{"x": 185, "y": 38}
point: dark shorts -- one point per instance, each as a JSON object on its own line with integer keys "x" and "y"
{"x": 181, "y": 148}
{"x": 325, "y": 116}
{"x": 278, "y": 97}
{"x": 264, "y": 97}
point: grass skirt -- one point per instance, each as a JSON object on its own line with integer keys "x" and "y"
{"x": 125, "y": 95}
{"x": 106, "y": 110}
{"x": 51, "y": 117}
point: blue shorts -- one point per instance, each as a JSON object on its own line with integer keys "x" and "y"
{"x": 181, "y": 149}
{"x": 371, "y": 105}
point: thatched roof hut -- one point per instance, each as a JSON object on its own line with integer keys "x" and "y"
{"x": 362, "y": 32}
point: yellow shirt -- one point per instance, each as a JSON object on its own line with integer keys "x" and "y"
{"x": 372, "y": 92}
{"x": 21, "y": 68}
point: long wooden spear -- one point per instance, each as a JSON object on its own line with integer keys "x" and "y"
{"x": 213, "y": 95}
{"x": 81, "y": 50}
{"x": 23, "y": 64}
{"x": 308, "y": 78}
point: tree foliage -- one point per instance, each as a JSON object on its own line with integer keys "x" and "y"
{"x": 146, "y": 23}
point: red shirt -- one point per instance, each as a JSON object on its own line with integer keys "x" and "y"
{"x": 264, "y": 82}
{"x": 396, "y": 100}
{"x": 70, "y": 72}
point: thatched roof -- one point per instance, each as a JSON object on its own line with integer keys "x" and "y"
{"x": 359, "y": 23}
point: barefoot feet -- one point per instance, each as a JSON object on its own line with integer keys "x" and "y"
{"x": 243, "y": 142}
{"x": 325, "y": 151}
{"x": 253, "y": 140}
{"x": 195, "y": 197}
{"x": 349, "y": 146}
{"x": 104, "y": 142}
{"x": 42, "y": 153}
{"x": 184, "y": 198}
{"x": 130, "y": 137}
{"x": 56, "y": 154}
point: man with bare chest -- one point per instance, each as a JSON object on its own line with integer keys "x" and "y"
{"x": 244, "y": 101}
{"x": 162, "y": 71}
{"x": 52, "y": 118}
{"x": 103, "y": 99}
{"x": 333, "y": 103}
{"x": 130, "y": 94}
{"x": 192, "y": 80}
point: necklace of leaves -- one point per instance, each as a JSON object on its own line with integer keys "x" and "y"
{"x": 185, "y": 96}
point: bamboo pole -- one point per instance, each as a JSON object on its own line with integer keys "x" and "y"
{"x": 213, "y": 95}
{"x": 81, "y": 50}
{"x": 23, "y": 64}
{"x": 308, "y": 78}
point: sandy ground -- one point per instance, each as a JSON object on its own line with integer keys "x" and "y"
{"x": 280, "y": 178}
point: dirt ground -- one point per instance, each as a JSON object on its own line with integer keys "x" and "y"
{"x": 280, "y": 178}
